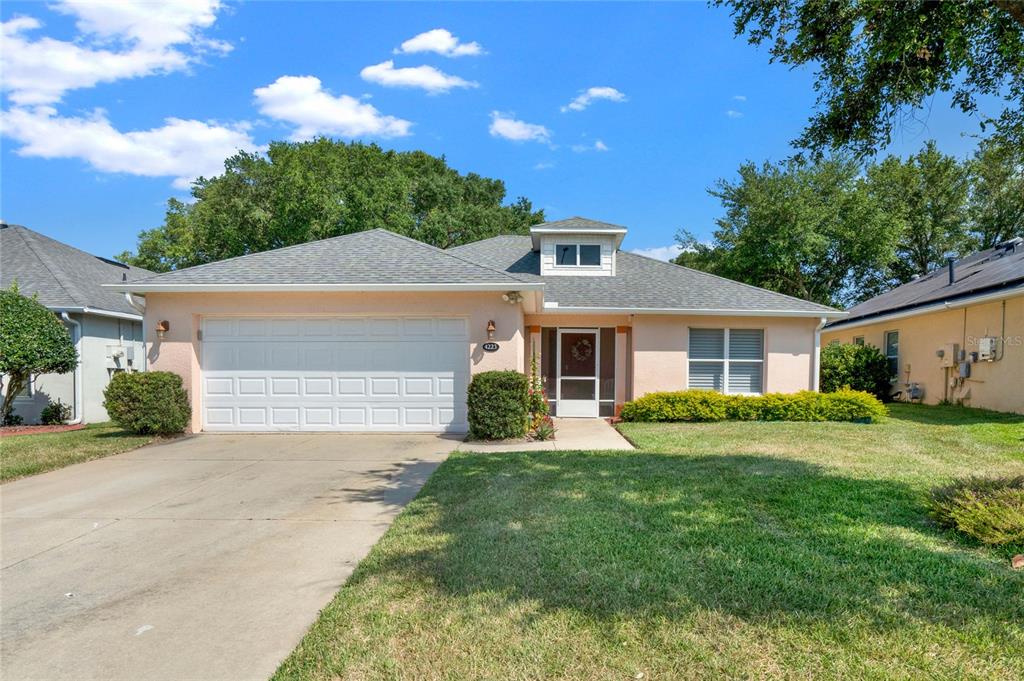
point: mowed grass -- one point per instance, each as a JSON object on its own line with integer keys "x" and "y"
{"x": 23, "y": 455}
{"x": 741, "y": 550}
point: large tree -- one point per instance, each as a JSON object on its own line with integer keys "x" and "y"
{"x": 997, "y": 193}
{"x": 300, "y": 192}
{"x": 32, "y": 341}
{"x": 879, "y": 60}
{"x": 809, "y": 230}
{"x": 927, "y": 194}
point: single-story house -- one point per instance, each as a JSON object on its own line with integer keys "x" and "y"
{"x": 955, "y": 334}
{"x": 376, "y": 331}
{"x": 106, "y": 329}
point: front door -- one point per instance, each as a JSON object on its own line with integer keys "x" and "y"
{"x": 577, "y": 372}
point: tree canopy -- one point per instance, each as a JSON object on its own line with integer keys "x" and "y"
{"x": 837, "y": 231}
{"x": 32, "y": 341}
{"x": 806, "y": 230}
{"x": 299, "y": 192}
{"x": 877, "y": 61}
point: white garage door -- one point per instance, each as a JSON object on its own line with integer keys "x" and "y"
{"x": 335, "y": 373}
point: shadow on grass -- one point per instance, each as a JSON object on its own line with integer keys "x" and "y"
{"x": 938, "y": 415}
{"x": 656, "y": 536}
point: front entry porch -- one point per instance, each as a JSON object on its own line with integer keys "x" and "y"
{"x": 584, "y": 367}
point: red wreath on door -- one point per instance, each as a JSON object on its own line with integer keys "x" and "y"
{"x": 582, "y": 350}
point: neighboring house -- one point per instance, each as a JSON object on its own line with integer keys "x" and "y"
{"x": 376, "y": 331}
{"x": 106, "y": 330}
{"x": 955, "y": 334}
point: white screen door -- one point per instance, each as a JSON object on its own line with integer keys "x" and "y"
{"x": 578, "y": 350}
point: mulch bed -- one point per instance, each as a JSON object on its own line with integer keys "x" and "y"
{"x": 11, "y": 431}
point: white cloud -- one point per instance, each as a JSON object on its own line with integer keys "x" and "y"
{"x": 740, "y": 98}
{"x": 544, "y": 165}
{"x": 732, "y": 113}
{"x": 440, "y": 41}
{"x": 666, "y": 253}
{"x": 588, "y": 96}
{"x": 117, "y": 39}
{"x": 303, "y": 102}
{"x": 598, "y": 145}
{"x": 426, "y": 77}
{"x": 182, "y": 149}
{"x": 503, "y": 125}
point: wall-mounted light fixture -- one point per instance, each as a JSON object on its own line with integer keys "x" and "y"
{"x": 512, "y": 297}
{"x": 162, "y": 327}
{"x": 490, "y": 329}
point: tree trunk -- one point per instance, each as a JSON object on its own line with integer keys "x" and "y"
{"x": 15, "y": 384}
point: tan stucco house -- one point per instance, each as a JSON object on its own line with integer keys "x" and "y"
{"x": 955, "y": 334}
{"x": 376, "y": 331}
{"x": 106, "y": 330}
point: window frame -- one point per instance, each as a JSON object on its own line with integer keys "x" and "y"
{"x": 858, "y": 340}
{"x": 896, "y": 357}
{"x": 726, "y": 360}
{"x": 578, "y": 246}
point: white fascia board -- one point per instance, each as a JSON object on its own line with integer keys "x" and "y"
{"x": 619, "y": 234}
{"x": 98, "y": 312}
{"x": 313, "y": 288}
{"x": 926, "y": 309}
{"x": 554, "y": 307}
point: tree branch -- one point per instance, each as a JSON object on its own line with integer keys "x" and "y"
{"x": 1015, "y": 8}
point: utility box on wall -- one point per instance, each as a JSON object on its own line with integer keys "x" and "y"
{"x": 948, "y": 355}
{"x": 987, "y": 349}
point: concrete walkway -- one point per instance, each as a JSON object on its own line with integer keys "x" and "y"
{"x": 207, "y": 558}
{"x": 570, "y": 434}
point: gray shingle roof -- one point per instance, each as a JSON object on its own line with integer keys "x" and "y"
{"x": 62, "y": 276}
{"x": 639, "y": 283}
{"x": 978, "y": 274}
{"x": 578, "y": 224}
{"x": 372, "y": 257}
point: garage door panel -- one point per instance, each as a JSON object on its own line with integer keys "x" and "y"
{"x": 321, "y": 373}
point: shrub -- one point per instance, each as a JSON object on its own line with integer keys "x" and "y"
{"x": 860, "y": 367}
{"x": 32, "y": 341}
{"x": 55, "y": 413}
{"x": 989, "y": 509}
{"x": 705, "y": 405}
{"x": 498, "y": 404}
{"x": 148, "y": 403}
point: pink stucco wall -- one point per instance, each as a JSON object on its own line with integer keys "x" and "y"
{"x": 179, "y": 350}
{"x": 658, "y": 342}
{"x": 660, "y": 345}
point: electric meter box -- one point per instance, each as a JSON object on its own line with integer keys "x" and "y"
{"x": 987, "y": 349}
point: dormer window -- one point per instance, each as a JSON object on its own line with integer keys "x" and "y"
{"x": 578, "y": 255}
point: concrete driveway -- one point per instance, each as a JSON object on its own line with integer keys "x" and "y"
{"x": 206, "y": 558}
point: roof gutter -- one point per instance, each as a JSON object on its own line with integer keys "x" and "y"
{"x": 511, "y": 285}
{"x": 926, "y": 309}
{"x": 554, "y": 307}
{"x": 96, "y": 311}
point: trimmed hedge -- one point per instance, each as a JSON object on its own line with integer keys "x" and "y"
{"x": 498, "y": 403}
{"x": 989, "y": 509}
{"x": 706, "y": 405}
{"x": 859, "y": 367}
{"x": 147, "y": 403}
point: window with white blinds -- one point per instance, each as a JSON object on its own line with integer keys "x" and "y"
{"x": 727, "y": 360}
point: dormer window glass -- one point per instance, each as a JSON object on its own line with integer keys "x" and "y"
{"x": 575, "y": 255}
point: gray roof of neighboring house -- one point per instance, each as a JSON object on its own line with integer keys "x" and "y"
{"x": 639, "y": 283}
{"x": 995, "y": 269}
{"x": 578, "y": 224}
{"x": 62, "y": 276}
{"x": 372, "y": 257}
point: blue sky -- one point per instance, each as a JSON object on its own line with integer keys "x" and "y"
{"x": 109, "y": 110}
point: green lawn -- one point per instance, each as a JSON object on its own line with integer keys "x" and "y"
{"x": 720, "y": 550}
{"x": 22, "y": 455}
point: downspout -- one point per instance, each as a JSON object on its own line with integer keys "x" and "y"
{"x": 77, "y": 334}
{"x": 816, "y": 362}
{"x": 139, "y": 307}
